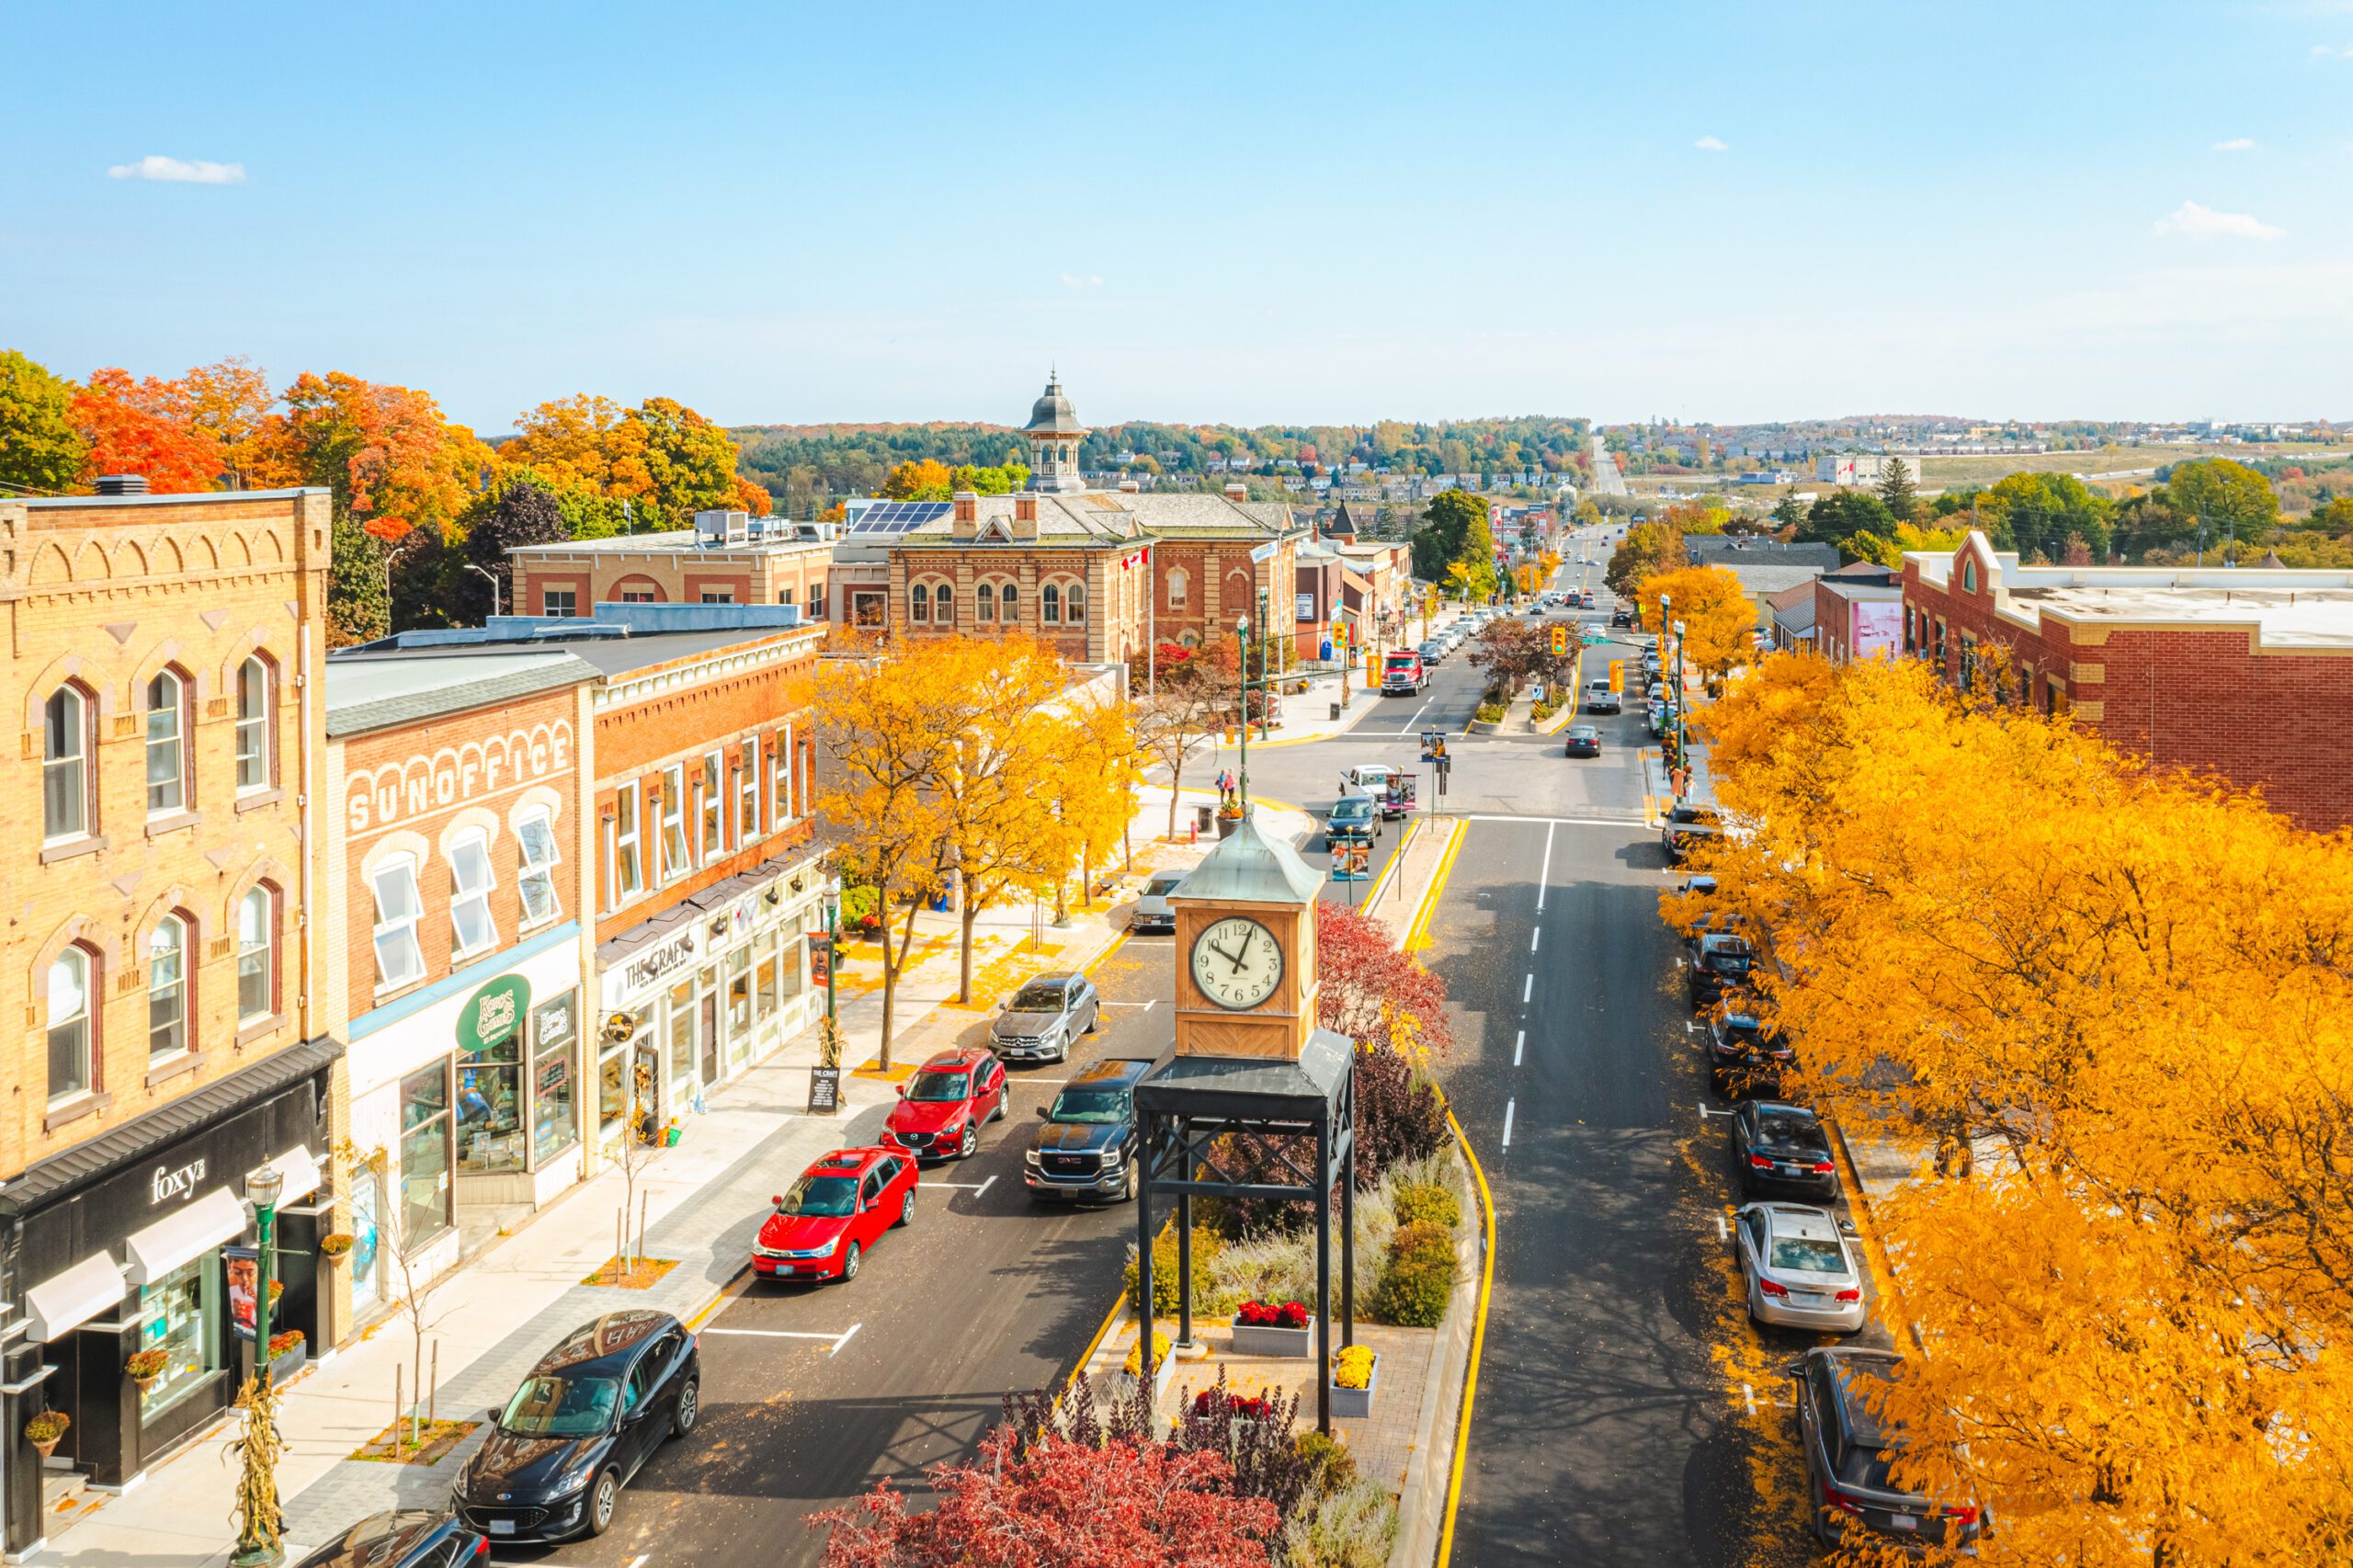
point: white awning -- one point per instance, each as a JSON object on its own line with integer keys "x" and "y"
{"x": 187, "y": 1234}
{"x": 63, "y": 1301}
{"x": 301, "y": 1169}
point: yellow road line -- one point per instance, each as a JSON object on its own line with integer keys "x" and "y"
{"x": 1417, "y": 934}
{"x": 1478, "y": 1344}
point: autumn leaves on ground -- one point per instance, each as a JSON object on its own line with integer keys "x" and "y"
{"x": 2108, "y": 1008}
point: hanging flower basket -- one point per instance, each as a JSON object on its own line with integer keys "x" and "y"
{"x": 144, "y": 1367}
{"x": 337, "y": 1245}
{"x": 46, "y": 1430}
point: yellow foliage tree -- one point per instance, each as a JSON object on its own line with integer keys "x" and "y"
{"x": 2107, "y": 1005}
{"x": 1718, "y": 618}
{"x": 921, "y": 479}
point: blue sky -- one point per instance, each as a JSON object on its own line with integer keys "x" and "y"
{"x": 801, "y": 212}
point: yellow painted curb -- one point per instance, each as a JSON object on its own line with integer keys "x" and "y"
{"x": 1478, "y": 1341}
{"x": 898, "y": 1072}
{"x": 1417, "y": 934}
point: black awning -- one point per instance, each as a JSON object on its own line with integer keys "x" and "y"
{"x": 136, "y": 1139}
{"x": 1254, "y": 1088}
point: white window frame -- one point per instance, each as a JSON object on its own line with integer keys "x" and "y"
{"x": 626, "y": 850}
{"x": 257, "y": 945}
{"x": 84, "y": 1020}
{"x": 256, "y": 751}
{"x": 677, "y": 855}
{"x": 710, "y": 812}
{"x": 168, "y": 941}
{"x": 399, "y": 928}
{"x": 781, "y": 788}
{"x": 747, "y": 794}
{"x": 77, "y": 760}
{"x": 175, "y": 743}
{"x": 1074, "y": 604}
{"x": 463, "y": 894}
{"x": 534, "y": 872}
{"x": 569, "y": 598}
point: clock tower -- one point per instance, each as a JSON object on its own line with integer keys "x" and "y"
{"x": 1246, "y": 981}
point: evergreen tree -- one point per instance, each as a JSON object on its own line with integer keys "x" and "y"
{"x": 1896, "y": 491}
{"x": 359, "y": 602}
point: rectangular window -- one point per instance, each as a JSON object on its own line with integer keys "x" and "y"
{"x": 713, "y": 819}
{"x": 780, "y": 763}
{"x": 471, "y": 925}
{"x": 675, "y": 859}
{"x": 559, "y": 602}
{"x": 784, "y": 595}
{"x": 817, "y": 600}
{"x": 165, "y": 783}
{"x": 747, "y": 794}
{"x": 490, "y": 1107}
{"x": 637, "y": 596}
{"x": 536, "y": 879}
{"x": 400, "y": 958}
{"x": 626, "y": 876}
{"x": 253, "y": 725}
{"x": 555, "y": 1032}
{"x": 174, "y": 1318}
{"x": 682, "y": 1033}
{"x": 719, "y": 595}
{"x": 426, "y": 1156}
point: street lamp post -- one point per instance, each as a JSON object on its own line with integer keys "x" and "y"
{"x": 833, "y": 938}
{"x": 258, "y": 1540}
{"x": 494, "y": 584}
{"x": 1682, "y": 732}
{"x": 1242, "y": 645}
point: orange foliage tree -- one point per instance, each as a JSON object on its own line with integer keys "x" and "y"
{"x": 2106, "y": 1007}
{"x": 662, "y": 458}
{"x": 1718, "y": 618}
{"x": 131, "y": 430}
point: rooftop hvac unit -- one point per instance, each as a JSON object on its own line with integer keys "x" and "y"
{"x": 716, "y": 530}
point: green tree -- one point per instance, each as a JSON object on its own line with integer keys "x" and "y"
{"x": 1648, "y": 549}
{"x": 1896, "y": 491}
{"x": 1789, "y": 511}
{"x": 689, "y": 461}
{"x": 2232, "y": 497}
{"x": 1838, "y": 516}
{"x": 40, "y": 449}
{"x": 1445, "y": 524}
{"x": 522, "y": 510}
{"x": 2035, "y": 513}
{"x": 359, "y": 603}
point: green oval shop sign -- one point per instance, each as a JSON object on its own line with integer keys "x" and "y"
{"x": 494, "y": 1013}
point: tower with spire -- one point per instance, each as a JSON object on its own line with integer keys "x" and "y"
{"x": 1054, "y": 434}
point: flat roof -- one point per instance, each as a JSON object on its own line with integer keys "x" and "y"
{"x": 599, "y": 656}
{"x": 379, "y": 691}
{"x": 180, "y": 497}
{"x": 673, "y": 541}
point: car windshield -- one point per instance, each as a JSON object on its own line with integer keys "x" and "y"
{"x": 931, "y": 1085}
{"x": 1039, "y": 997}
{"x": 547, "y": 1406}
{"x": 1808, "y": 1257}
{"x": 1163, "y": 885}
{"x": 1693, "y": 815}
{"x": 1744, "y": 1030}
{"x": 1794, "y": 1130}
{"x": 828, "y": 1195}
{"x": 1091, "y": 1105}
{"x": 1354, "y": 806}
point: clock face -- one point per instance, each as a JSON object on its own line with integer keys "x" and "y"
{"x": 1236, "y": 962}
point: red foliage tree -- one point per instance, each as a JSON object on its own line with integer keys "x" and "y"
{"x": 1373, "y": 993}
{"x": 130, "y": 431}
{"x": 1060, "y": 1504}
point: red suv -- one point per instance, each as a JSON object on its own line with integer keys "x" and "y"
{"x": 941, "y": 1107}
{"x": 840, "y": 1207}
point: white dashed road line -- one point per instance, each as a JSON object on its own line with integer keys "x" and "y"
{"x": 1533, "y": 935}
{"x": 1527, "y": 989}
{"x": 1545, "y": 875}
{"x": 1509, "y": 1106}
{"x": 768, "y": 1333}
{"x": 1517, "y": 1046}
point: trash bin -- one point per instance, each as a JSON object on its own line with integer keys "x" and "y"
{"x": 1205, "y": 818}
{"x": 1336, "y": 710}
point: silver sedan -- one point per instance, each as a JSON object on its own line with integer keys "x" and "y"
{"x": 1801, "y": 1270}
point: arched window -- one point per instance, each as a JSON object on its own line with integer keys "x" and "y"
{"x": 1050, "y": 603}
{"x": 256, "y": 954}
{"x": 1074, "y": 605}
{"x": 166, "y": 753}
{"x": 1178, "y": 584}
{"x": 70, "y": 1053}
{"x": 919, "y": 603}
{"x": 66, "y": 765}
{"x": 1012, "y": 601}
{"x": 984, "y": 602}
{"x": 253, "y": 725}
{"x": 167, "y": 988}
{"x": 943, "y": 605}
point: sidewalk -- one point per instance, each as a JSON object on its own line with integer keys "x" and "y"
{"x": 493, "y": 1318}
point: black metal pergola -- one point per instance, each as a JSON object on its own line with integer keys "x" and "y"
{"x": 1186, "y": 1103}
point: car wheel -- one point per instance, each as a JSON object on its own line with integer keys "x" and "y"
{"x": 608, "y": 1493}
{"x": 1093, "y": 1018}
{"x": 969, "y": 1141}
{"x": 907, "y": 1208}
{"x": 849, "y": 1262}
{"x": 1061, "y": 1049}
{"x": 682, "y": 1420}
{"x": 1128, "y": 1184}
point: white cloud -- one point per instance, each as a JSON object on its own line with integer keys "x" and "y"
{"x": 183, "y": 171}
{"x": 2324, "y": 49}
{"x": 1711, "y": 144}
{"x": 1081, "y": 280}
{"x": 2205, "y": 224}
{"x": 2237, "y": 144}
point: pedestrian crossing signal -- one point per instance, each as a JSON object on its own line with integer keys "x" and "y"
{"x": 1560, "y": 639}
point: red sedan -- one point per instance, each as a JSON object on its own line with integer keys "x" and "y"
{"x": 941, "y": 1107}
{"x": 824, "y": 1223}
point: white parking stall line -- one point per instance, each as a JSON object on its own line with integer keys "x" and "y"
{"x": 1517, "y": 1045}
{"x": 1707, "y": 1110}
{"x": 1526, "y": 988}
{"x": 1750, "y": 1395}
{"x": 1533, "y": 935}
{"x": 1147, "y": 1006}
{"x": 1509, "y": 1106}
{"x": 767, "y": 1334}
{"x": 1030, "y": 1080}
{"x": 974, "y": 1187}
{"x": 845, "y": 1338}
{"x": 1722, "y": 1234}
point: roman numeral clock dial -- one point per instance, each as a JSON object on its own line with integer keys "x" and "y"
{"x": 1237, "y": 963}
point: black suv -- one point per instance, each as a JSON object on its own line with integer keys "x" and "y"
{"x": 1745, "y": 1056}
{"x": 1087, "y": 1146}
{"x": 1721, "y": 962}
{"x": 1779, "y": 1147}
{"x": 1847, "y": 1454}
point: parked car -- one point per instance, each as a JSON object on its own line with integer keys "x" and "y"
{"x": 1722, "y": 963}
{"x": 1744, "y": 1055}
{"x": 1352, "y": 820}
{"x": 1848, "y": 1452}
{"x": 826, "y": 1223}
{"x": 1152, "y": 911}
{"x": 411, "y": 1537}
{"x": 1686, "y": 825}
{"x": 1039, "y": 1021}
{"x": 1716, "y": 922}
{"x": 1433, "y": 649}
{"x": 1599, "y": 697}
{"x": 1800, "y": 1269}
{"x": 942, "y": 1105}
{"x": 1779, "y": 1146}
{"x": 593, "y": 1411}
{"x": 1086, "y": 1144}
{"x": 1585, "y": 740}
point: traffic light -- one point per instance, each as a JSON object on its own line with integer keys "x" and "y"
{"x": 1617, "y": 675}
{"x": 1560, "y": 639}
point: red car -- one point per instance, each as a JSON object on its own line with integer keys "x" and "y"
{"x": 824, "y": 1223}
{"x": 941, "y": 1107}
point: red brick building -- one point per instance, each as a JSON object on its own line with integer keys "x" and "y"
{"x": 2245, "y": 675}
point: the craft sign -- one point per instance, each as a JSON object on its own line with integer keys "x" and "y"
{"x": 405, "y": 789}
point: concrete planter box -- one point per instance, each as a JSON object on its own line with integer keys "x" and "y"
{"x": 1354, "y": 1404}
{"x": 287, "y": 1363}
{"x": 1162, "y": 1376}
{"x": 1256, "y": 1339}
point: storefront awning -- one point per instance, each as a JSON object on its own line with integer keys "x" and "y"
{"x": 64, "y": 1301}
{"x": 187, "y": 1233}
{"x": 300, "y": 1168}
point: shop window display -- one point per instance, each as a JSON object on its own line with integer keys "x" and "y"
{"x": 175, "y": 1317}
{"x": 425, "y": 1154}
{"x": 555, "y": 1033}
{"x": 490, "y": 1108}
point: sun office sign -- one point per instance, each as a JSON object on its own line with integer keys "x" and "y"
{"x": 402, "y": 789}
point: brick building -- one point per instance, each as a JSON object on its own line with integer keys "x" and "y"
{"x": 170, "y": 1032}
{"x": 1857, "y": 612}
{"x": 457, "y": 947}
{"x": 726, "y": 558}
{"x": 2243, "y": 675}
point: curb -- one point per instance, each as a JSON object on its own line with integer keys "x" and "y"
{"x": 1422, "y": 1503}
{"x": 1858, "y": 1198}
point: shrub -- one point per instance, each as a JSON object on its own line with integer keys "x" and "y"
{"x": 1489, "y": 713}
{"x": 1330, "y": 1466}
{"x": 1278, "y": 1266}
{"x": 337, "y": 1243}
{"x": 1398, "y": 1116}
{"x": 1412, "y": 1291}
{"x": 1352, "y": 1526}
{"x": 1419, "y": 1204}
{"x": 1206, "y": 1297}
{"x": 1542, "y": 710}
{"x": 1253, "y": 1433}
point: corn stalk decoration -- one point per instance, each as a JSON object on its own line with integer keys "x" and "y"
{"x": 260, "y": 1520}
